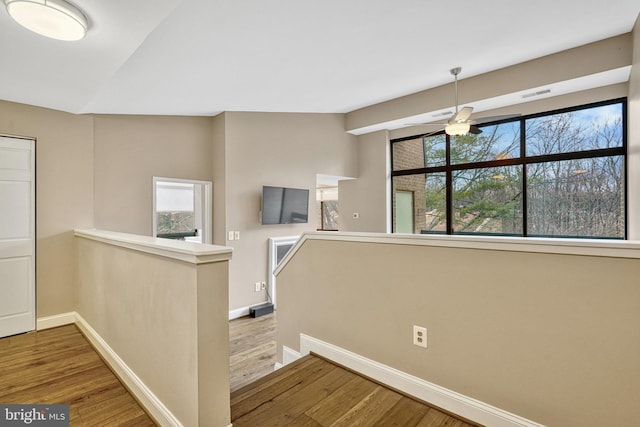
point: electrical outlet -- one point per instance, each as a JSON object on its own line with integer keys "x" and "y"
{"x": 420, "y": 336}
{"x": 258, "y": 287}
{"x": 236, "y": 235}
{"x": 263, "y": 285}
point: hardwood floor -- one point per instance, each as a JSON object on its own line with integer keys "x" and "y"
{"x": 252, "y": 349}
{"x": 59, "y": 366}
{"x": 314, "y": 392}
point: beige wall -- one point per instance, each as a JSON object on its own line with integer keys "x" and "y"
{"x": 277, "y": 149}
{"x": 131, "y": 150}
{"x": 64, "y": 193}
{"x": 552, "y": 338}
{"x": 367, "y": 195}
{"x": 633, "y": 161}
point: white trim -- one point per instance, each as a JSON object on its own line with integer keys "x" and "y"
{"x": 56, "y": 320}
{"x": 194, "y": 253}
{"x": 584, "y": 247}
{"x": 274, "y": 242}
{"x": 147, "y": 399}
{"x": 449, "y": 400}
{"x": 277, "y": 366}
{"x": 238, "y": 312}
{"x": 289, "y": 355}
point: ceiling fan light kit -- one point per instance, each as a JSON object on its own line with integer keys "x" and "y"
{"x": 457, "y": 129}
{"x": 459, "y": 124}
{"x": 56, "y": 19}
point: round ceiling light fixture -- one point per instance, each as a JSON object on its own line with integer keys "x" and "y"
{"x": 56, "y": 19}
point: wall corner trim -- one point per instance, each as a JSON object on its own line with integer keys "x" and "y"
{"x": 449, "y": 400}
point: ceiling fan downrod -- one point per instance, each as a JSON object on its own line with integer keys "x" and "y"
{"x": 455, "y": 71}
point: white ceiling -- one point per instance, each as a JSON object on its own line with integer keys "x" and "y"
{"x": 201, "y": 57}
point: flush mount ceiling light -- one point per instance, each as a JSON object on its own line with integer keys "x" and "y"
{"x": 56, "y": 19}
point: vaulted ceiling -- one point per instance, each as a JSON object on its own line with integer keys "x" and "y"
{"x": 201, "y": 57}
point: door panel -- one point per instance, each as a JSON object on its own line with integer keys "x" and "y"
{"x": 16, "y": 298}
{"x": 15, "y": 214}
{"x": 17, "y": 236}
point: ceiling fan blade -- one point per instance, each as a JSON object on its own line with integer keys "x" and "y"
{"x": 462, "y": 115}
{"x": 425, "y": 135}
{"x": 475, "y": 130}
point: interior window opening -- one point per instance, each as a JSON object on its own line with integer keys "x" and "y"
{"x": 182, "y": 209}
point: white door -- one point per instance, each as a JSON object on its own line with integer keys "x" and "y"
{"x": 404, "y": 212}
{"x": 17, "y": 236}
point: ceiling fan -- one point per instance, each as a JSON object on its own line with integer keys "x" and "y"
{"x": 459, "y": 123}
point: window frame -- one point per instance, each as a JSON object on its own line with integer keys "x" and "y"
{"x": 523, "y": 160}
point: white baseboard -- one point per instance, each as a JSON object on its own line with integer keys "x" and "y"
{"x": 277, "y": 366}
{"x": 54, "y": 321}
{"x": 238, "y": 312}
{"x": 449, "y": 400}
{"x": 289, "y": 355}
{"x": 147, "y": 399}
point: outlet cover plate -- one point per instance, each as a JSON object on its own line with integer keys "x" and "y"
{"x": 420, "y": 336}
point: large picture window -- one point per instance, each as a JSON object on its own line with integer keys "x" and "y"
{"x": 555, "y": 174}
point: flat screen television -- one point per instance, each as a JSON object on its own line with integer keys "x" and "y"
{"x": 282, "y": 205}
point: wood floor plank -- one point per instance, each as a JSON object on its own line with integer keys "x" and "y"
{"x": 436, "y": 418}
{"x": 289, "y": 405}
{"x": 60, "y": 366}
{"x": 304, "y": 421}
{"x": 281, "y": 386}
{"x": 317, "y": 392}
{"x": 272, "y": 378}
{"x": 336, "y": 405}
{"x": 370, "y": 409}
{"x": 252, "y": 349}
{"x": 405, "y": 413}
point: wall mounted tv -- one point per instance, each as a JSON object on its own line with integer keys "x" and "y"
{"x": 284, "y": 205}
